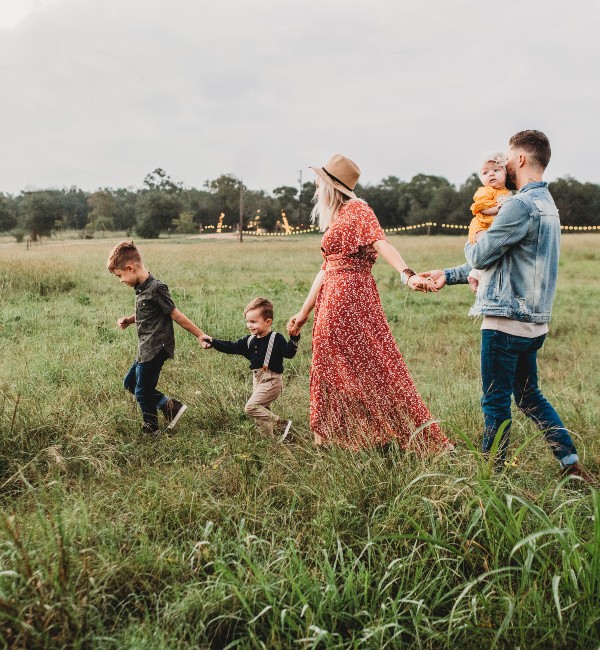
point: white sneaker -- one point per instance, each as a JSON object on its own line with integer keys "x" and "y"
{"x": 286, "y": 431}
{"x": 173, "y": 410}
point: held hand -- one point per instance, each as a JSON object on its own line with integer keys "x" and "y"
{"x": 124, "y": 322}
{"x": 419, "y": 283}
{"x": 296, "y": 323}
{"x": 438, "y": 276}
{"x": 205, "y": 341}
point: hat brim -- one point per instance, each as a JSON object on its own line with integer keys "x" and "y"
{"x": 338, "y": 186}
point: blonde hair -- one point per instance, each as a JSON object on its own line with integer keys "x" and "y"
{"x": 122, "y": 254}
{"x": 265, "y": 306}
{"x": 328, "y": 200}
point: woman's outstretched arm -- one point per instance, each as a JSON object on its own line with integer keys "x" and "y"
{"x": 395, "y": 260}
{"x": 298, "y": 320}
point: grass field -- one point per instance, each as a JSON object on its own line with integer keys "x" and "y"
{"x": 217, "y": 538}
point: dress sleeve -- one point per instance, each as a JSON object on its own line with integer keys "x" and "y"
{"x": 361, "y": 228}
{"x": 483, "y": 199}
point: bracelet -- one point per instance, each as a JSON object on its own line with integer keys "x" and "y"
{"x": 405, "y": 274}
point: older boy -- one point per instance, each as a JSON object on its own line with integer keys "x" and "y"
{"x": 154, "y": 316}
{"x": 265, "y": 350}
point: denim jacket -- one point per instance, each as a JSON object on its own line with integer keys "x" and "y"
{"x": 519, "y": 258}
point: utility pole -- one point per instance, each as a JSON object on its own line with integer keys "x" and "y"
{"x": 241, "y": 207}
{"x": 300, "y": 200}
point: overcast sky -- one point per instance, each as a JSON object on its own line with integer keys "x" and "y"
{"x": 98, "y": 93}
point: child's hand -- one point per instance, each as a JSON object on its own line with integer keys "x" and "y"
{"x": 124, "y": 322}
{"x": 473, "y": 283}
{"x": 292, "y": 327}
{"x": 205, "y": 342}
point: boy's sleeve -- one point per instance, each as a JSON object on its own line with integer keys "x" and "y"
{"x": 163, "y": 299}
{"x": 287, "y": 349}
{"x": 232, "y": 347}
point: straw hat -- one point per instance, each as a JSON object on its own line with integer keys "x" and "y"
{"x": 340, "y": 172}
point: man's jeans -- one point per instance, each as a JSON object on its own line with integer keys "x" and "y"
{"x": 141, "y": 381}
{"x": 509, "y": 367}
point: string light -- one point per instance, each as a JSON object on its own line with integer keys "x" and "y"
{"x": 416, "y": 226}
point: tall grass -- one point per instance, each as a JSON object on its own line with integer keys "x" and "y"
{"x": 218, "y": 538}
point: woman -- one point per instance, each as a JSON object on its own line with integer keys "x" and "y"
{"x": 361, "y": 394}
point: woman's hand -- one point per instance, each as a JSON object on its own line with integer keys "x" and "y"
{"x": 419, "y": 283}
{"x": 296, "y": 323}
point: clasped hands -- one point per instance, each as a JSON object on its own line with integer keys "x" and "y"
{"x": 427, "y": 281}
{"x": 437, "y": 277}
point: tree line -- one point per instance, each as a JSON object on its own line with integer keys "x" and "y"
{"x": 163, "y": 205}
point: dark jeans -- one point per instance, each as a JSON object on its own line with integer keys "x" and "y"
{"x": 141, "y": 381}
{"x": 509, "y": 367}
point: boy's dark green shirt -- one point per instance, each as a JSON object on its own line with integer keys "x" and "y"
{"x": 153, "y": 308}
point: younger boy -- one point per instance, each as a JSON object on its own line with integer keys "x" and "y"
{"x": 265, "y": 350}
{"x": 154, "y": 316}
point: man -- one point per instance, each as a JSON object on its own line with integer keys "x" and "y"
{"x": 519, "y": 258}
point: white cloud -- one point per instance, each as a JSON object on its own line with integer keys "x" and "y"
{"x": 12, "y": 12}
{"x": 100, "y": 92}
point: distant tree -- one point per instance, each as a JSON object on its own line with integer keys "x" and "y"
{"x": 155, "y": 211}
{"x": 74, "y": 208}
{"x": 421, "y": 190}
{"x": 8, "y": 213}
{"x": 226, "y": 194}
{"x": 125, "y": 209}
{"x": 103, "y": 209}
{"x": 185, "y": 223}
{"x": 40, "y": 212}
{"x": 389, "y": 200}
{"x": 578, "y": 203}
{"x": 286, "y": 200}
{"x": 459, "y": 208}
{"x": 446, "y": 207}
{"x": 270, "y": 212}
{"x": 203, "y": 205}
{"x": 306, "y": 202}
{"x": 160, "y": 180}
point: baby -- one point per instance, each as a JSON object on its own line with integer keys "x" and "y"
{"x": 487, "y": 201}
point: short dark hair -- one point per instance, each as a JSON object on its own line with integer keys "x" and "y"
{"x": 535, "y": 143}
{"x": 265, "y": 306}
{"x": 122, "y": 254}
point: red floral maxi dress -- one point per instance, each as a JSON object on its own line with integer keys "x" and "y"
{"x": 361, "y": 394}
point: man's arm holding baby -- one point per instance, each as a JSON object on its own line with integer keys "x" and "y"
{"x": 509, "y": 227}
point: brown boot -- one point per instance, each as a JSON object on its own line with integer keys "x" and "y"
{"x": 578, "y": 470}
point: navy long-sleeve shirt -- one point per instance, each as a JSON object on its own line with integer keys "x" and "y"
{"x": 257, "y": 350}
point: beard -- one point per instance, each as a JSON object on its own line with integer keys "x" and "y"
{"x": 511, "y": 181}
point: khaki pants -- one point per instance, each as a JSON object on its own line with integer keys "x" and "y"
{"x": 267, "y": 386}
